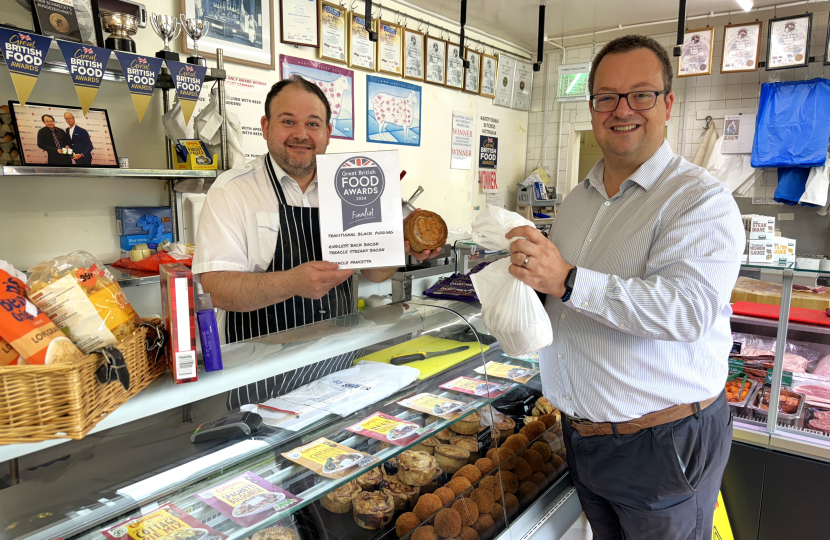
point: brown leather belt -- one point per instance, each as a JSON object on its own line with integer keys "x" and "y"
{"x": 586, "y": 428}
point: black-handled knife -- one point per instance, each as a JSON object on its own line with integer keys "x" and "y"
{"x": 413, "y": 357}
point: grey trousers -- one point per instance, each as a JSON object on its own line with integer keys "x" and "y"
{"x": 660, "y": 483}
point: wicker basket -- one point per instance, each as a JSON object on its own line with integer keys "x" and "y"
{"x": 59, "y": 401}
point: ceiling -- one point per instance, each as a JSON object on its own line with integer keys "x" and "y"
{"x": 516, "y": 21}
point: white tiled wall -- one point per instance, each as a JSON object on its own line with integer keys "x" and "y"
{"x": 729, "y": 92}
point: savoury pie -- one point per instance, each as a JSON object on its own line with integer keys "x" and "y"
{"x": 425, "y": 230}
{"x": 276, "y": 533}
{"x": 340, "y": 500}
{"x": 373, "y": 509}
{"x": 404, "y": 495}
{"x": 416, "y": 468}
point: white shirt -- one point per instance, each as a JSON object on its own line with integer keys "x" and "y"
{"x": 240, "y": 219}
{"x": 70, "y": 131}
{"x": 647, "y": 325}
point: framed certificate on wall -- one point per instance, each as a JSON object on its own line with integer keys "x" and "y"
{"x": 741, "y": 47}
{"x": 436, "y": 53}
{"x": 696, "y": 54}
{"x": 333, "y": 32}
{"x": 390, "y": 48}
{"x": 504, "y": 80}
{"x": 788, "y": 42}
{"x": 489, "y": 69}
{"x": 455, "y": 67}
{"x": 473, "y": 73}
{"x": 361, "y": 50}
{"x": 413, "y": 54}
{"x": 299, "y": 22}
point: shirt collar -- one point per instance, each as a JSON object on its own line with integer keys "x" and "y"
{"x": 286, "y": 180}
{"x": 646, "y": 176}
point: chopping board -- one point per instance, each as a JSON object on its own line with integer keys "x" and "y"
{"x": 764, "y": 292}
{"x": 765, "y": 311}
{"x": 430, "y": 366}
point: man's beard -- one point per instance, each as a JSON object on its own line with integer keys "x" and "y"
{"x": 294, "y": 166}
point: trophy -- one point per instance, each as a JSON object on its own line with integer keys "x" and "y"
{"x": 195, "y": 28}
{"x": 167, "y": 28}
{"x": 120, "y": 26}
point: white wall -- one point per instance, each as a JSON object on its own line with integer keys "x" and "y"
{"x": 41, "y": 218}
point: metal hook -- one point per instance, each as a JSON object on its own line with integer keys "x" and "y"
{"x": 380, "y": 10}
{"x": 343, "y": 4}
{"x": 405, "y": 19}
{"x": 351, "y": 7}
{"x": 420, "y": 25}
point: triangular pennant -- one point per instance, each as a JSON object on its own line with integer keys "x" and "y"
{"x": 87, "y": 65}
{"x": 141, "y": 73}
{"x": 24, "y": 53}
{"x": 188, "y": 79}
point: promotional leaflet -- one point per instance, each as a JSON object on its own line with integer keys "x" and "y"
{"x": 248, "y": 499}
{"x": 506, "y": 371}
{"x": 436, "y": 405}
{"x": 462, "y": 141}
{"x": 168, "y": 522}
{"x": 329, "y": 459}
{"x": 477, "y": 387}
{"x": 738, "y": 133}
{"x": 389, "y": 429}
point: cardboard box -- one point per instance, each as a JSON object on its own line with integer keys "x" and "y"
{"x": 126, "y": 219}
{"x": 128, "y": 242}
{"x": 759, "y": 251}
{"x": 759, "y": 227}
{"x": 783, "y": 250}
{"x": 179, "y": 319}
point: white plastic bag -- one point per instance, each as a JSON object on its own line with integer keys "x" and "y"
{"x": 511, "y": 310}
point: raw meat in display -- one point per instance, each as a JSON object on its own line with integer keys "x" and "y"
{"x": 819, "y": 425}
{"x": 813, "y": 391}
{"x": 792, "y": 362}
{"x": 823, "y": 367}
{"x": 394, "y": 110}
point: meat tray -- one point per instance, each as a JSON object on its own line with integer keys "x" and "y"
{"x": 783, "y": 418}
{"x": 737, "y": 407}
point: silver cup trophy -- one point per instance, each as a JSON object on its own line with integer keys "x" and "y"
{"x": 167, "y": 28}
{"x": 196, "y": 29}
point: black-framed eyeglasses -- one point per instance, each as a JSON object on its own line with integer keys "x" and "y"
{"x": 641, "y": 100}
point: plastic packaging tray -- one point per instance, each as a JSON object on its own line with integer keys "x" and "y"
{"x": 737, "y": 406}
{"x": 783, "y": 418}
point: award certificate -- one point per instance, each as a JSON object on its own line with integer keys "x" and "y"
{"x": 741, "y": 45}
{"x": 436, "y": 53}
{"x": 413, "y": 61}
{"x": 361, "y": 50}
{"x": 390, "y": 46}
{"x": 696, "y": 54}
{"x": 488, "y": 75}
{"x": 788, "y": 42}
{"x": 333, "y": 32}
{"x": 504, "y": 80}
{"x": 455, "y": 67}
{"x": 522, "y": 79}
{"x": 472, "y": 73}
{"x": 298, "y": 22}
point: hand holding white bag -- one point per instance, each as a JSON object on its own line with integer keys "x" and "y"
{"x": 511, "y": 310}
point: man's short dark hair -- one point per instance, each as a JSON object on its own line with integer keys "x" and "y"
{"x": 43, "y": 118}
{"x": 630, "y": 43}
{"x": 309, "y": 87}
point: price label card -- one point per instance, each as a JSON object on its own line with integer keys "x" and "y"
{"x": 330, "y": 459}
{"x": 436, "y": 406}
{"x": 248, "y": 499}
{"x": 506, "y": 371}
{"x": 168, "y": 521}
{"x": 477, "y": 387}
{"x": 389, "y": 429}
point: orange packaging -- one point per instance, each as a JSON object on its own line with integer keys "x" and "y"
{"x": 30, "y": 333}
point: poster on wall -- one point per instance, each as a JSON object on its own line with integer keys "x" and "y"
{"x": 336, "y": 83}
{"x": 488, "y": 152}
{"x": 472, "y": 75}
{"x": 696, "y": 54}
{"x": 299, "y": 21}
{"x": 504, "y": 82}
{"x": 572, "y": 82}
{"x": 413, "y": 58}
{"x": 462, "y": 141}
{"x": 246, "y": 99}
{"x": 522, "y": 80}
{"x": 741, "y": 47}
{"x": 333, "y": 32}
{"x": 487, "y": 179}
{"x": 436, "y": 60}
{"x": 390, "y": 48}
{"x": 244, "y": 30}
{"x": 788, "y": 42}
{"x": 393, "y": 112}
{"x": 488, "y": 75}
{"x": 738, "y": 133}
{"x": 455, "y": 67}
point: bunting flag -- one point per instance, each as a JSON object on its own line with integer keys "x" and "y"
{"x": 188, "y": 79}
{"x": 24, "y": 53}
{"x": 141, "y": 73}
{"x": 86, "y": 66}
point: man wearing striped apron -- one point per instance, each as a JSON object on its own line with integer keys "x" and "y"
{"x": 258, "y": 250}
{"x": 638, "y": 273}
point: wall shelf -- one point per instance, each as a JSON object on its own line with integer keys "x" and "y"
{"x": 92, "y": 172}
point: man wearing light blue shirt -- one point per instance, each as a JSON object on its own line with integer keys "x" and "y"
{"x": 638, "y": 274}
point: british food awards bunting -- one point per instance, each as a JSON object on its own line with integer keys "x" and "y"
{"x": 86, "y": 66}
{"x": 141, "y": 73}
{"x": 188, "y": 79}
{"x": 24, "y": 53}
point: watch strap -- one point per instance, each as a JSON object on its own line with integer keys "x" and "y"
{"x": 570, "y": 279}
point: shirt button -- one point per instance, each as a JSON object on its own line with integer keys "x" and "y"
{"x": 622, "y": 325}
{"x": 584, "y": 304}
{"x": 563, "y": 315}
{"x": 568, "y": 398}
{"x": 589, "y": 239}
{"x": 560, "y": 357}
{"x": 607, "y": 203}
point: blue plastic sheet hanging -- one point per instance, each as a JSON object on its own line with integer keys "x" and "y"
{"x": 793, "y": 125}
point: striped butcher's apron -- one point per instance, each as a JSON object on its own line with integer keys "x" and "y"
{"x": 298, "y": 242}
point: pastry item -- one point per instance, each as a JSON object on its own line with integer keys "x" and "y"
{"x": 424, "y": 532}
{"x": 559, "y": 462}
{"x": 543, "y": 449}
{"x": 527, "y": 492}
{"x": 403, "y": 494}
{"x": 427, "y": 505}
{"x": 550, "y": 420}
{"x": 459, "y": 485}
{"x": 416, "y": 468}
{"x": 468, "y": 425}
{"x": 543, "y": 406}
{"x": 516, "y": 442}
{"x": 550, "y": 471}
{"x": 450, "y": 457}
{"x": 437, "y": 481}
{"x": 469, "y": 444}
{"x": 484, "y": 499}
{"x": 509, "y": 482}
{"x": 505, "y": 457}
{"x": 491, "y": 454}
{"x": 485, "y": 466}
{"x": 470, "y": 472}
{"x": 427, "y": 445}
{"x": 406, "y": 523}
{"x": 444, "y": 436}
{"x": 425, "y": 230}
{"x": 484, "y": 527}
{"x": 371, "y": 480}
{"x": 493, "y": 485}
{"x": 467, "y": 509}
{"x": 445, "y": 494}
{"x": 534, "y": 459}
{"x": 448, "y": 523}
{"x": 497, "y": 513}
{"x": 340, "y": 500}
{"x": 540, "y": 480}
{"x": 511, "y": 503}
{"x": 373, "y": 510}
{"x": 533, "y": 430}
{"x": 276, "y": 533}
{"x": 522, "y": 470}
{"x": 468, "y": 533}
{"x": 505, "y": 428}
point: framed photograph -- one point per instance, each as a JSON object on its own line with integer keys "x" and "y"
{"x": 334, "y": 22}
{"x": 489, "y": 70}
{"x": 696, "y": 54}
{"x": 390, "y": 48}
{"x": 436, "y": 53}
{"x": 299, "y": 22}
{"x": 393, "y": 112}
{"x": 57, "y": 19}
{"x": 337, "y": 84}
{"x": 244, "y": 32}
{"x": 504, "y": 80}
{"x": 788, "y": 42}
{"x": 61, "y": 136}
{"x": 741, "y": 47}
{"x": 472, "y": 74}
{"x": 413, "y": 57}
{"x": 361, "y": 51}
{"x": 455, "y": 67}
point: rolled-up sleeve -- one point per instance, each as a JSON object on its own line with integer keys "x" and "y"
{"x": 691, "y": 269}
{"x": 221, "y": 240}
